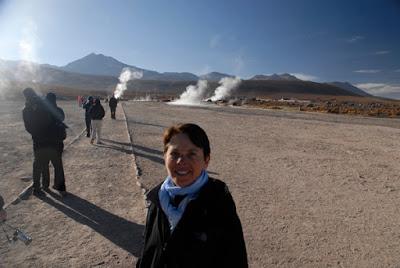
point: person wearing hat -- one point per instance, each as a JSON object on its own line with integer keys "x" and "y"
{"x": 36, "y": 121}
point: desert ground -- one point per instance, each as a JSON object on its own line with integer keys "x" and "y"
{"x": 311, "y": 190}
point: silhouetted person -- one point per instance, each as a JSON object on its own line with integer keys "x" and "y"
{"x": 88, "y": 104}
{"x": 58, "y": 135}
{"x": 113, "y": 106}
{"x": 44, "y": 122}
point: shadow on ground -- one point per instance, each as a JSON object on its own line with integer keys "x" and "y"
{"x": 115, "y": 147}
{"x": 151, "y": 154}
{"x": 123, "y": 233}
{"x": 145, "y": 124}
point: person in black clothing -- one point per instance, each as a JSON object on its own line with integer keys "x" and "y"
{"x": 3, "y": 213}
{"x": 192, "y": 219}
{"x": 113, "y": 106}
{"x": 44, "y": 121}
{"x": 96, "y": 113}
{"x": 58, "y": 145}
{"x": 88, "y": 104}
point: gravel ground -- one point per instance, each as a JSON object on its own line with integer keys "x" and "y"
{"x": 16, "y": 149}
{"x": 311, "y": 190}
{"x": 100, "y": 221}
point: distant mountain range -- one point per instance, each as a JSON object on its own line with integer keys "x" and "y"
{"x": 98, "y": 64}
{"x": 100, "y": 72}
{"x": 276, "y": 77}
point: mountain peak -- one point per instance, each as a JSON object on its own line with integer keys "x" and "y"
{"x": 279, "y": 77}
{"x": 96, "y": 64}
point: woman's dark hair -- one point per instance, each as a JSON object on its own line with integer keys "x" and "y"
{"x": 195, "y": 133}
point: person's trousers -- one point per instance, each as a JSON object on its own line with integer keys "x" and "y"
{"x": 88, "y": 125}
{"x": 41, "y": 163}
{"x": 96, "y": 130}
{"x": 112, "y": 110}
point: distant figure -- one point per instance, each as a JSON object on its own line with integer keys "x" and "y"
{"x": 191, "y": 219}
{"x": 3, "y": 213}
{"x": 96, "y": 113}
{"x": 88, "y": 104}
{"x": 80, "y": 101}
{"x": 43, "y": 120}
{"x": 113, "y": 106}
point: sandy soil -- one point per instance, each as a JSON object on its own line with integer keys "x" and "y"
{"x": 312, "y": 190}
{"x": 99, "y": 223}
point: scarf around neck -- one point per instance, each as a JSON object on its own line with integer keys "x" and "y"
{"x": 169, "y": 190}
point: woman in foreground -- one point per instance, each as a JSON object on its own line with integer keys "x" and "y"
{"x": 192, "y": 219}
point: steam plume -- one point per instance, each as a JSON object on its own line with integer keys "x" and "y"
{"x": 126, "y": 75}
{"x": 28, "y": 45}
{"x": 193, "y": 94}
{"x": 228, "y": 84}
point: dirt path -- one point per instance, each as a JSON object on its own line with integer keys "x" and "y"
{"x": 100, "y": 222}
{"x": 311, "y": 190}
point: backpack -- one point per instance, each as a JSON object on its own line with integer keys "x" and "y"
{"x": 58, "y": 131}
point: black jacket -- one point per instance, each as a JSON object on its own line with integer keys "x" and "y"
{"x": 209, "y": 233}
{"x": 96, "y": 112}
{"x": 40, "y": 120}
{"x": 113, "y": 102}
{"x": 88, "y": 104}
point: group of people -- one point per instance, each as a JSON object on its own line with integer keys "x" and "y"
{"x": 94, "y": 114}
{"x": 43, "y": 119}
{"x": 192, "y": 219}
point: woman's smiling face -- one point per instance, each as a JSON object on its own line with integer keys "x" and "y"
{"x": 184, "y": 160}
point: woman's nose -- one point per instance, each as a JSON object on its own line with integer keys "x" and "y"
{"x": 180, "y": 159}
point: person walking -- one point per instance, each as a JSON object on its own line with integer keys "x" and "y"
{"x": 113, "y": 106}
{"x": 88, "y": 104}
{"x": 96, "y": 113}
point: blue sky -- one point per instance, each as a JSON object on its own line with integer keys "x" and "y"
{"x": 341, "y": 40}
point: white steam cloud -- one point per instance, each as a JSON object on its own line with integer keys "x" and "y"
{"x": 29, "y": 43}
{"x": 126, "y": 75}
{"x": 28, "y": 46}
{"x": 228, "y": 84}
{"x": 193, "y": 94}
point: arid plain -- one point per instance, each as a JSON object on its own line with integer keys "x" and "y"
{"x": 311, "y": 190}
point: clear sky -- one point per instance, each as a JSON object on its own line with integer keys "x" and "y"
{"x": 321, "y": 40}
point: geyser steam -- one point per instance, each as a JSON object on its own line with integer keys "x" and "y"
{"x": 228, "y": 84}
{"x": 126, "y": 75}
{"x": 193, "y": 94}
